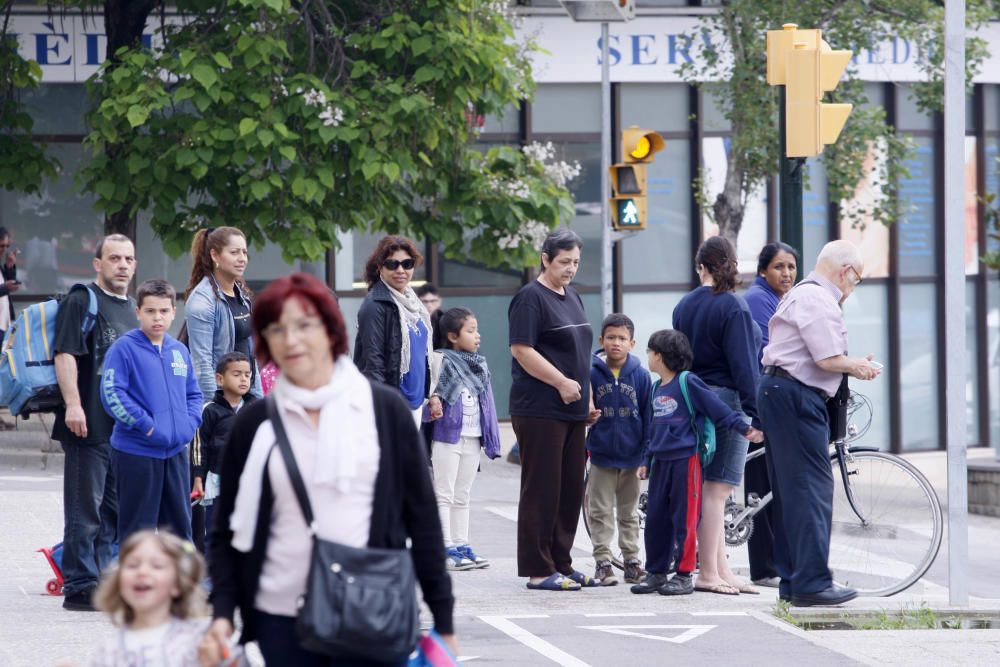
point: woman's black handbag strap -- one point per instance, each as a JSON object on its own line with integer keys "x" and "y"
{"x": 281, "y": 436}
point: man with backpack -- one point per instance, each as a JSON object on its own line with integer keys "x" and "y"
{"x": 90, "y": 502}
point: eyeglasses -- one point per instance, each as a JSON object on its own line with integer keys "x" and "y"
{"x": 393, "y": 264}
{"x": 856, "y": 275}
{"x": 276, "y": 332}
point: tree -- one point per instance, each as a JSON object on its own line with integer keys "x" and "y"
{"x": 750, "y": 105}
{"x": 295, "y": 120}
{"x": 23, "y": 163}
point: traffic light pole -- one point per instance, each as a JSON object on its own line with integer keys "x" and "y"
{"x": 790, "y": 188}
{"x": 606, "y": 241}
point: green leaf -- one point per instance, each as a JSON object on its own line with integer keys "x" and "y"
{"x": 325, "y": 176}
{"x": 222, "y": 60}
{"x": 205, "y": 75}
{"x": 421, "y": 45}
{"x": 426, "y": 160}
{"x": 260, "y": 189}
{"x": 370, "y": 169}
{"x": 266, "y": 137}
{"x": 137, "y": 115}
{"x": 391, "y": 169}
{"x": 288, "y": 152}
{"x": 187, "y": 55}
{"x": 186, "y": 157}
{"x": 247, "y": 125}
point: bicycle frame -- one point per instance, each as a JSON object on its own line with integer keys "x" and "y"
{"x": 842, "y": 451}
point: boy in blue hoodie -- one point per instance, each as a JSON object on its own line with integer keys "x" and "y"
{"x": 672, "y": 466}
{"x": 151, "y": 391}
{"x": 621, "y": 388}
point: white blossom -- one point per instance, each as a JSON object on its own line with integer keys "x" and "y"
{"x": 332, "y": 116}
{"x": 315, "y": 98}
{"x": 532, "y": 233}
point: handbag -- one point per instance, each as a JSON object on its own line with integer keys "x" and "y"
{"x": 705, "y": 436}
{"x": 358, "y": 602}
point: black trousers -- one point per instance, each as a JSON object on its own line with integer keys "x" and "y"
{"x": 799, "y": 464}
{"x": 552, "y": 464}
{"x": 761, "y": 545}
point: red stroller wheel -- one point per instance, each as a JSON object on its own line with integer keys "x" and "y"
{"x": 53, "y": 587}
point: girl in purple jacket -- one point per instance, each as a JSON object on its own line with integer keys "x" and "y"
{"x": 465, "y": 420}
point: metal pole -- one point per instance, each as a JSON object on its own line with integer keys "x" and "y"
{"x": 954, "y": 299}
{"x": 789, "y": 188}
{"x": 606, "y": 254}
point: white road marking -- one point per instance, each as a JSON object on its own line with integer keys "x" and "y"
{"x": 466, "y": 658}
{"x": 25, "y": 478}
{"x": 535, "y": 643}
{"x": 690, "y": 631}
{"x": 622, "y": 614}
{"x": 505, "y": 512}
{"x": 719, "y": 613}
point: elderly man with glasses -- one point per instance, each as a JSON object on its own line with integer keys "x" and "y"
{"x": 805, "y": 363}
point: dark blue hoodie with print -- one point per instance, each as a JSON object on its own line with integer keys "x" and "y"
{"x": 619, "y": 437}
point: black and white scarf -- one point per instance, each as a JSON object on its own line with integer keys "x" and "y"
{"x": 460, "y": 370}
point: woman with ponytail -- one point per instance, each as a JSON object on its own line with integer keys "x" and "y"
{"x": 725, "y": 341}
{"x": 217, "y": 311}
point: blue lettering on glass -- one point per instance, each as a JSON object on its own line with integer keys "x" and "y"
{"x": 916, "y": 191}
{"x": 147, "y": 41}
{"x": 875, "y": 55}
{"x": 614, "y": 54}
{"x": 640, "y": 48}
{"x": 43, "y": 47}
{"x": 897, "y": 57}
{"x": 678, "y": 45}
{"x": 91, "y": 40}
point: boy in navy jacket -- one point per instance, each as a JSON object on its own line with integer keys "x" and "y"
{"x": 150, "y": 390}
{"x": 621, "y": 388}
{"x": 672, "y": 456}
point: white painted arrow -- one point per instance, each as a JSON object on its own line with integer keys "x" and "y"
{"x": 690, "y": 631}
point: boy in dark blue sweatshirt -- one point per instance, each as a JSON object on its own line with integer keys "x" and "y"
{"x": 234, "y": 379}
{"x": 672, "y": 455}
{"x": 620, "y": 387}
{"x": 151, "y": 391}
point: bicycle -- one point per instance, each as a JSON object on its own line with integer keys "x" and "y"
{"x": 887, "y": 520}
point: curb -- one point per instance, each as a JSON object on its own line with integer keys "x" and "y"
{"x": 28, "y": 460}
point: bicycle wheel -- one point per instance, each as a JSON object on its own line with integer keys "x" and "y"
{"x": 617, "y": 560}
{"x": 892, "y": 539}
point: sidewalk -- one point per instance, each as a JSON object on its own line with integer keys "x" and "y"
{"x": 29, "y": 448}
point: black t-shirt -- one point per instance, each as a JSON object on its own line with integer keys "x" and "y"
{"x": 241, "y": 320}
{"x": 114, "y": 318}
{"x": 556, "y": 326}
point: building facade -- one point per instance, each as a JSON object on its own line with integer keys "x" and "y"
{"x": 897, "y": 313}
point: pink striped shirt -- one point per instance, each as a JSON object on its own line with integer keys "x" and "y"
{"x": 807, "y": 327}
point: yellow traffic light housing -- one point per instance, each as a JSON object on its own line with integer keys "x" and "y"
{"x": 628, "y": 178}
{"x": 806, "y": 65}
{"x": 628, "y": 196}
{"x": 639, "y": 145}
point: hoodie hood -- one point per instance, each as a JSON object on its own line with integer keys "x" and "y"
{"x": 599, "y": 362}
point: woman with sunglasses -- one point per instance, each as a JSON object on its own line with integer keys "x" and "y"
{"x": 393, "y": 344}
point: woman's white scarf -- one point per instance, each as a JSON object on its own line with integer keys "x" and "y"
{"x": 411, "y": 311}
{"x": 346, "y": 419}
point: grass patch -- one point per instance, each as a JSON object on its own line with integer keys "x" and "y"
{"x": 908, "y": 617}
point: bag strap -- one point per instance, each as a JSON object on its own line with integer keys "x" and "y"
{"x": 682, "y": 380}
{"x": 90, "y": 319}
{"x": 281, "y": 436}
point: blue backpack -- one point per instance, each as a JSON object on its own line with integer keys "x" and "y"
{"x": 27, "y": 363}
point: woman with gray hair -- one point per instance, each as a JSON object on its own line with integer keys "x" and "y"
{"x": 551, "y": 407}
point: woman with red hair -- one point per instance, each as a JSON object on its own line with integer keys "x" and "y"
{"x": 361, "y": 461}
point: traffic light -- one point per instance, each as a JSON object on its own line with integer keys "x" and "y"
{"x": 807, "y": 67}
{"x": 628, "y": 178}
{"x": 811, "y": 122}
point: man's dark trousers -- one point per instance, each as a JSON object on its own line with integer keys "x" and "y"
{"x": 798, "y": 460}
{"x": 90, "y": 507}
{"x": 761, "y": 546}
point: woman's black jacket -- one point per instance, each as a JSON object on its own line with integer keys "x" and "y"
{"x": 378, "y": 347}
{"x": 403, "y": 507}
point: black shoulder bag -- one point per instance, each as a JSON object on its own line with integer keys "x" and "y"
{"x": 359, "y": 602}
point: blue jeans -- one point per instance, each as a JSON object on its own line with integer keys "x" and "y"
{"x": 730, "y": 447}
{"x": 90, "y": 510}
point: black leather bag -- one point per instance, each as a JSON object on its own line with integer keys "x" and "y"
{"x": 359, "y": 602}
